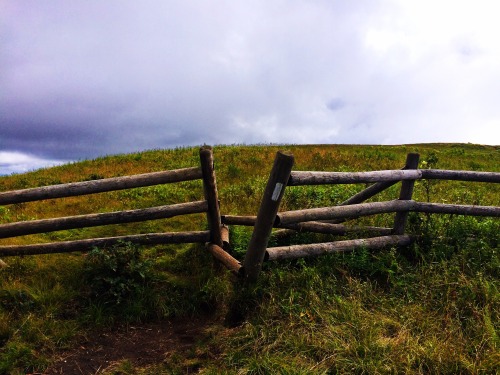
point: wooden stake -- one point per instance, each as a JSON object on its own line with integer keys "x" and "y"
{"x": 224, "y": 232}
{"x": 406, "y": 194}
{"x": 266, "y": 216}
{"x": 211, "y": 195}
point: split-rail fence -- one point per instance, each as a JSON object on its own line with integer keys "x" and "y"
{"x": 216, "y": 235}
{"x": 327, "y": 220}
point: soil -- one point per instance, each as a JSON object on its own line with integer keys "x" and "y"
{"x": 142, "y": 345}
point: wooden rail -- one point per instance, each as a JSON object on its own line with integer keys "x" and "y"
{"x": 298, "y": 178}
{"x": 437, "y": 174}
{"x": 373, "y": 208}
{"x": 325, "y": 178}
{"x": 99, "y": 186}
{"x": 311, "y": 226}
{"x": 341, "y": 212}
{"x": 315, "y": 249}
{"x": 89, "y": 244}
{"x": 92, "y": 220}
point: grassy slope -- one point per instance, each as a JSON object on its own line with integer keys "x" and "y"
{"x": 434, "y": 308}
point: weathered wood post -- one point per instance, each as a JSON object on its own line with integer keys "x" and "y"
{"x": 405, "y": 194}
{"x": 224, "y": 232}
{"x": 269, "y": 206}
{"x": 211, "y": 195}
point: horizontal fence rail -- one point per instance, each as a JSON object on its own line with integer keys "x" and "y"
{"x": 99, "y": 186}
{"x": 311, "y": 226}
{"x": 325, "y": 178}
{"x": 315, "y": 249}
{"x": 454, "y": 209}
{"x": 89, "y": 244}
{"x": 120, "y": 217}
{"x": 373, "y": 190}
{"x": 441, "y": 174}
{"x": 332, "y": 228}
{"x": 299, "y": 178}
{"x": 373, "y": 208}
{"x": 341, "y": 212}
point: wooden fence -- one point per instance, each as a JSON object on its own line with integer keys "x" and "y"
{"x": 210, "y": 205}
{"x": 328, "y": 219}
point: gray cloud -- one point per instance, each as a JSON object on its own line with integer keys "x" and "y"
{"x": 335, "y": 104}
{"x": 85, "y": 78}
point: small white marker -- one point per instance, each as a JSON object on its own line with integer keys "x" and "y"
{"x": 277, "y": 191}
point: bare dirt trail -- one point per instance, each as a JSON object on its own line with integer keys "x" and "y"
{"x": 141, "y": 344}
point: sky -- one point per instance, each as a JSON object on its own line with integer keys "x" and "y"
{"x": 86, "y": 78}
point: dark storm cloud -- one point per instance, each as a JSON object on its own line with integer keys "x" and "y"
{"x": 80, "y": 79}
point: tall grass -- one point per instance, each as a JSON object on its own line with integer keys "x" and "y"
{"x": 431, "y": 308}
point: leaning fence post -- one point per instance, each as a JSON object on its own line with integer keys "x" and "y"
{"x": 266, "y": 216}
{"x": 405, "y": 194}
{"x": 211, "y": 195}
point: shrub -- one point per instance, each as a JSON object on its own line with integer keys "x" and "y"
{"x": 116, "y": 274}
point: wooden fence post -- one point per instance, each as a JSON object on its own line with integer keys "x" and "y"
{"x": 211, "y": 195}
{"x": 405, "y": 194}
{"x": 276, "y": 184}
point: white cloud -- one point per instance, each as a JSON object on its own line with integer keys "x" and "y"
{"x": 18, "y": 162}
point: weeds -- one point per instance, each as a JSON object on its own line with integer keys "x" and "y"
{"x": 116, "y": 274}
{"x": 372, "y": 313}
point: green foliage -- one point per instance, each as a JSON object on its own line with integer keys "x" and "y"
{"x": 233, "y": 171}
{"x": 4, "y": 215}
{"x": 116, "y": 274}
{"x": 18, "y": 358}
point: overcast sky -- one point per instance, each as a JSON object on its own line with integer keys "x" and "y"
{"x": 86, "y": 78}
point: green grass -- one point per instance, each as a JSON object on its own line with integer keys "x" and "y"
{"x": 431, "y": 308}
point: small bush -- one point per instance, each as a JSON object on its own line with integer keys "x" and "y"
{"x": 116, "y": 274}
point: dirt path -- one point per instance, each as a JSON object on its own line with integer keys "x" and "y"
{"x": 143, "y": 345}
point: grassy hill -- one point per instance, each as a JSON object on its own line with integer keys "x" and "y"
{"x": 432, "y": 308}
